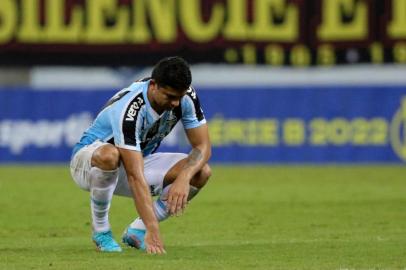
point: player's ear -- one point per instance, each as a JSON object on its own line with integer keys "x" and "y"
{"x": 153, "y": 84}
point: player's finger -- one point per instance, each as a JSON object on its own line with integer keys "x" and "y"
{"x": 174, "y": 204}
{"x": 180, "y": 205}
{"x": 152, "y": 249}
{"x": 159, "y": 250}
{"x": 172, "y": 210}
{"x": 184, "y": 202}
{"x": 175, "y": 207}
{"x": 169, "y": 203}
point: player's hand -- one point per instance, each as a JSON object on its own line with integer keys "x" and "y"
{"x": 177, "y": 197}
{"x": 153, "y": 243}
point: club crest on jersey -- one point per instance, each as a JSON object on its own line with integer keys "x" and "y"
{"x": 134, "y": 108}
{"x": 172, "y": 120}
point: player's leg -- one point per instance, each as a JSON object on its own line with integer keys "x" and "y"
{"x": 197, "y": 182}
{"x": 96, "y": 171}
{"x": 103, "y": 181}
{"x": 156, "y": 166}
{"x": 161, "y": 170}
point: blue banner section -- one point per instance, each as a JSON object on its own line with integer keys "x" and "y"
{"x": 275, "y": 125}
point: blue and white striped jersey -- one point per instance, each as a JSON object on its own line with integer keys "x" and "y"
{"x": 129, "y": 121}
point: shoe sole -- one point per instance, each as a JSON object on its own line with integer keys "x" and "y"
{"x": 98, "y": 249}
{"x": 132, "y": 241}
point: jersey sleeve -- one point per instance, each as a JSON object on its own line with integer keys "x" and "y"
{"x": 192, "y": 113}
{"x": 126, "y": 121}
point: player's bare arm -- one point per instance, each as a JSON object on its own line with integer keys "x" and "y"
{"x": 133, "y": 163}
{"x": 197, "y": 158}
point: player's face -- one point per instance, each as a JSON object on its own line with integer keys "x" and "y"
{"x": 168, "y": 98}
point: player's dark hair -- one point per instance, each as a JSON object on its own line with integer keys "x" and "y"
{"x": 173, "y": 72}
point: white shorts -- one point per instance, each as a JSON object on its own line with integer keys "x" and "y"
{"x": 156, "y": 166}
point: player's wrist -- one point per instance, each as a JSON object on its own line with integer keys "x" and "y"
{"x": 184, "y": 177}
{"x": 152, "y": 227}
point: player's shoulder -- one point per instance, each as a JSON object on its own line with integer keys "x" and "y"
{"x": 139, "y": 85}
{"x": 137, "y": 91}
{"x": 130, "y": 98}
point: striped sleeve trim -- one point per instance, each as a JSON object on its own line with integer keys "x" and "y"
{"x": 130, "y": 117}
{"x": 196, "y": 103}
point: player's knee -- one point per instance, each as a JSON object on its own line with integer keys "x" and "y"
{"x": 203, "y": 176}
{"x": 106, "y": 157}
{"x": 206, "y": 172}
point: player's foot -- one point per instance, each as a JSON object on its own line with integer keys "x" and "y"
{"x": 105, "y": 242}
{"x": 134, "y": 238}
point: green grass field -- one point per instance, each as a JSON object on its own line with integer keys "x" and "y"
{"x": 252, "y": 217}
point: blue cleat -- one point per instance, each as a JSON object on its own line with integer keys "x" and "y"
{"x": 134, "y": 238}
{"x": 105, "y": 242}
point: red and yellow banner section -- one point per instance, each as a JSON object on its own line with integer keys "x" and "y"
{"x": 271, "y": 32}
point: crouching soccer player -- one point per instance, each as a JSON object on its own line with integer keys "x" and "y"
{"x": 116, "y": 155}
